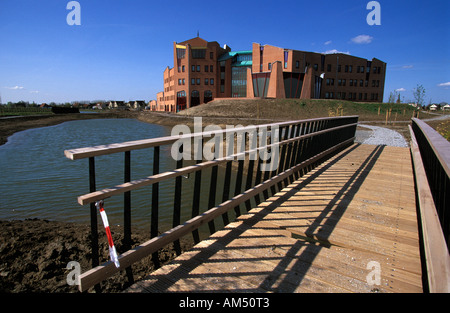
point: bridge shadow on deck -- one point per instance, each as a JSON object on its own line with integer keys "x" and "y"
{"x": 290, "y": 266}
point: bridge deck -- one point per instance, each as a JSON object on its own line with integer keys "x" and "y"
{"x": 319, "y": 234}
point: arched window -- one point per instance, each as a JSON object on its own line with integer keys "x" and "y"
{"x": 181, "y": 100}
{"x": 207, "y": 96}
{"x": 195, "y": 98}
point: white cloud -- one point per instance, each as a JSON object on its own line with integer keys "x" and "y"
{"x": 333, "y": 51}
{"x": 400, "y": 89}
{"x": 326, "y": 43}
{"x": 407, "y": 66}
{"x": 362, "y": 39}
{"x": 15, "y": 88}
{"x": 34, "y": 91}
{"x": 447, "y": 84}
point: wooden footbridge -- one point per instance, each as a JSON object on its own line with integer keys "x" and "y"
{"x": 332, "y": 216}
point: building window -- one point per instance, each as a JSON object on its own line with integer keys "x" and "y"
{"x": 361, "y": 83}
{"x": 269, "y": 66}
{"x": 179, "y": 69}
{"x": 193, "y": 68}
{"x": 343, "y": 84}
{"x": 198, "y": 68}
{"x": 346, "y": 68}
{"x": 211, "y": 68}
{"x": 183, "y": 81}
{"x": 316, "y": 67}
{"x": 181, "y": 52}
{"x": 207, "y": 96}
{"x": 193, "y": 81}
{"x": 328, "y": 67}
{"x": 206, "y": 81}
{"x": 351, "y": 82}
{"x": 211, "y": 81}
{"x": 198, "y": 53}
{"x": 182, "y": 68}
{"x": 286, "y": 53}
{"x": 350, "y": 68}
{"x": 211, "y": 55}
{"x": 206, "y": 68}
{"x": 179, "y": 82}
{"x": 297, "y": 64}
{"x": 198, "y": 81}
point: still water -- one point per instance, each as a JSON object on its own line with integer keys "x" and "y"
{"x": 38, "y": 181}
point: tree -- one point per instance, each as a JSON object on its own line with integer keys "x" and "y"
{"x": 419, "y": 94}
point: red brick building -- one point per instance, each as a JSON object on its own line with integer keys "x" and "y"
{"x": 204, "y": 71}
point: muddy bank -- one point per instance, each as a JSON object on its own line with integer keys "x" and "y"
{"x": 34, "y": 254}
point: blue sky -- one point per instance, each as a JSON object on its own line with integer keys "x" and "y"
{"x": 121, "y": 48}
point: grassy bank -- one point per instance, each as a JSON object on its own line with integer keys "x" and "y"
{"x": 291, "y": 109}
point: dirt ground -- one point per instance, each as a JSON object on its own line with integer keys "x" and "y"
{"x": 34, "y": 255}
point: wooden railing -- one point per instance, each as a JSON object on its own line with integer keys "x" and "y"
{"x": 300, "y": 146}
{"x": 431, "y": 158}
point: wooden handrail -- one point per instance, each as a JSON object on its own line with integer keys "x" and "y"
{"x": 135, "y": 184}
{"x": 440, "y": 146}
{"x": 81, "y": 153}
{"x": 437, "y": 257}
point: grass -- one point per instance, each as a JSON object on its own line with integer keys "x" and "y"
{"x": 292, "y": 109}
{"x": 24, "y": 111}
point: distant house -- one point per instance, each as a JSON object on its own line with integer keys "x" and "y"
{"x": 117, "y": 105}
{"x": 151, "y": 105}
{"x": 100, "y": 106}
{"x": 446, "y": 107}
{"x": 137, "y": 105}
{"x": 44, "y": 105}
{"x": 433, "y": 107}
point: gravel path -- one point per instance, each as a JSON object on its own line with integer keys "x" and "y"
{"x": 380, "y": 136}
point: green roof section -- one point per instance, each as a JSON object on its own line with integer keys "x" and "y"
{"x": 229, "y": 55}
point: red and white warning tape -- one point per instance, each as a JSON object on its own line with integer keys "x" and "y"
{"x": 112, "y": 249}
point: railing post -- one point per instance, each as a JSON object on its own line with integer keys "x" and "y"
{"x": 127, "y": 213}
{"x": 93, "y": 210}
{"x": 177, "y": 202}
{"x": 155, "y": 205}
